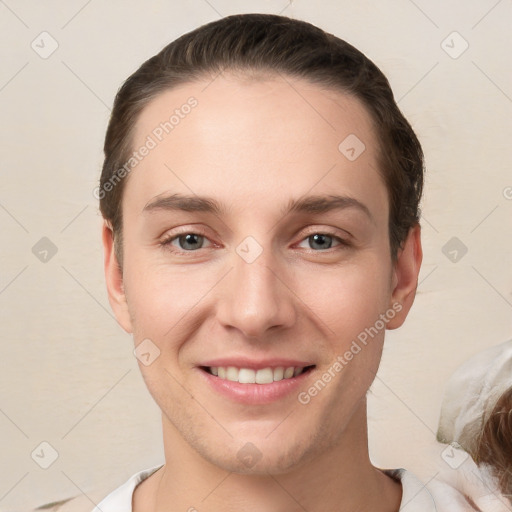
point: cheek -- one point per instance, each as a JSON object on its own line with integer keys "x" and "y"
{"x": 161, "y": 296}
{"x": 347, "y": 300}
{"x": 351, "y": 304}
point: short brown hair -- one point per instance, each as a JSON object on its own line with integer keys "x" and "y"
{"x": 273, "y": 44}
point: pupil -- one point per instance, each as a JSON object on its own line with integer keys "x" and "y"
{"x": 321, "y": 240}
{"x": 189, "y": 240}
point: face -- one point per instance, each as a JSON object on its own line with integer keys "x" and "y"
{"x": 252, "y": 242}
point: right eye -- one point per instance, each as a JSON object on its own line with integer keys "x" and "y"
{"x": 185, "y": 242}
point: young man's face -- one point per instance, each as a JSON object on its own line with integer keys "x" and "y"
{"x": 252, "y": 286}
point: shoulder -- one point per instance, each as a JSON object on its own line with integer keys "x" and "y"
{"x": 80, "y": 503}
{"x": 415, "y": 495}
{"x": 118, "y": 499}
{"x": 467, "y": 487}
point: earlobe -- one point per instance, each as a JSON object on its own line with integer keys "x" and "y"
{"x": 405, "y": 276}
{"x": 114, "y": 280}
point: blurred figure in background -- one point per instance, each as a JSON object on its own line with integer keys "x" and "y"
{"x": 476, "y": 419}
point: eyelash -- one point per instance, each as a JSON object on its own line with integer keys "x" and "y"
{"x": 166, "y": 242}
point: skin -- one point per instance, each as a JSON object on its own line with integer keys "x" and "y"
{"x": 254, "y": 144}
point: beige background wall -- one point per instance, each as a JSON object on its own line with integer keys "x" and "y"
{"x": 67, "y": 373}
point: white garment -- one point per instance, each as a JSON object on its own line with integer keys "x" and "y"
{"x": 472, "y": 393}
{"x": 467, "y": 488}
{"x": 415, "y": 497}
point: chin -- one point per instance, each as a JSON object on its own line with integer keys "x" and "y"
{"x": 262, "y": 456}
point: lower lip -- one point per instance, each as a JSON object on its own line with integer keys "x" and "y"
{"x": 255, "y": 394}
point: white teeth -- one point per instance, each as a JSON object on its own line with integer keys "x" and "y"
{"x": 246, "y": 376}
{"x": 264, "y": 376}
{"x": 278, "y": 373}
{"x": 250, "y": 376}
{"x": 232, "y": 373}
{"x": 288, "y": 372}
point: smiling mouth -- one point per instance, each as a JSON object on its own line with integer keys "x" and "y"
{"x": 252, "y": 376}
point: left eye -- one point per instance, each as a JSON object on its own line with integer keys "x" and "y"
{"x": 187, "y": 241}
{"x": 322, "y": 241}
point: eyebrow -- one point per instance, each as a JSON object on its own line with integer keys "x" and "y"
{"x": 310, "y": 204}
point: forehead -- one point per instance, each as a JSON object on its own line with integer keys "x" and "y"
{"x": 254, "y": 140}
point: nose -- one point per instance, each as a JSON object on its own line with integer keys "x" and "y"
{"x": 256, "y": 297}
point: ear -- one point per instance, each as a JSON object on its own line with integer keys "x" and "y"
{"x": 405, "y": 277}
{"x": 114, "y": 280}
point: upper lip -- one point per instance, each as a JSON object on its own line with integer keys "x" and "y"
{"x": 256, "y": 364}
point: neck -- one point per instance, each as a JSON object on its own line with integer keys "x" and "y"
{"x": 339, "y": 478}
